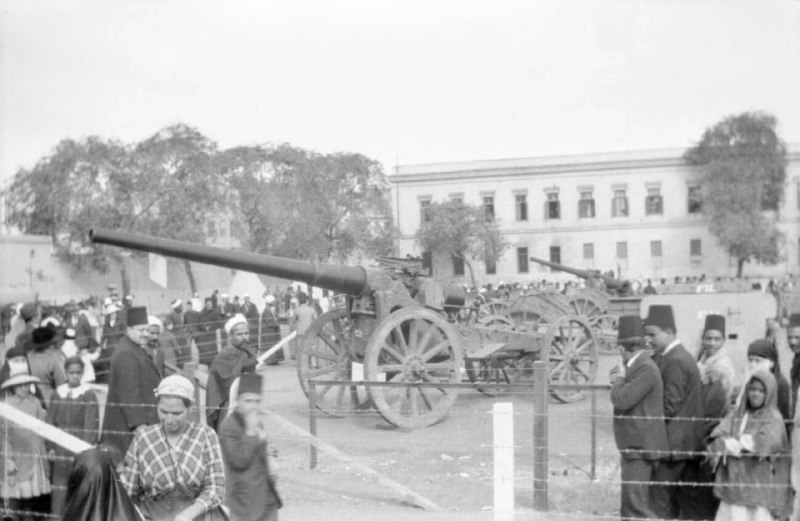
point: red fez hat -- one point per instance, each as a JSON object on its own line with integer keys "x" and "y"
{"x": 715, "y": 322}
{"x": 660, "y": 315}
{"x": 249, "y": 383}
{"x": 794, "y": 320}
{"x": 630, "y": 326}
{"x": 137, "y": 316}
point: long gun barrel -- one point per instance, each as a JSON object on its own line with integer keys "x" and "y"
{"x": 584, "y": 274}
{"x": 352, "y": 280}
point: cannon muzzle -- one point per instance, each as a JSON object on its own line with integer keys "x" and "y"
{"x": 352, "y": 280}
{"x": 584, "y": 274}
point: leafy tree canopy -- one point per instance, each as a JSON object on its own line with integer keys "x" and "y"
{"x": 462, "y": 231}
{"x": 281, "y": 200}
{"x": 742, "y": 161}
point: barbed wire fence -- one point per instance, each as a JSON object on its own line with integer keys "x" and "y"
{"x": 550, "y": 469}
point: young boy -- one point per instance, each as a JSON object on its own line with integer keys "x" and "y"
{"x": 250, "y": 488}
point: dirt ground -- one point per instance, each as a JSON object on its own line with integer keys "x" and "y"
{"x": 449, "y": 463}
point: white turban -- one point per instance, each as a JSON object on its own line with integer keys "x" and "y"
{"x": 238, "y": 318}
{"x": 175, "y": 303}
{"x": 269, "y": 299}
{"x": 153, "y": 320}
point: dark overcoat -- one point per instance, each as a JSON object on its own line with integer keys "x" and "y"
{"x": 638, "y": 401}
{"x": 683, "y": 402}
{"x": 131, "y": 399}
{"x": 250, "y": 490}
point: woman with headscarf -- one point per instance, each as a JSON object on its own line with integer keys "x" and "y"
{"x": 762, "y": 354}
{"x": 94, "y": 490}
{"x": 750, "y": 450}
{"x": 174, "y": 470}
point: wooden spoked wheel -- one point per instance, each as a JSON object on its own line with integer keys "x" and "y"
{"x": 324, "y": 355}
{"x": 500, "y": 368}
{"x": 414, "y": 345}
{"x": 494, "y": 307}
{"x": 606, "y": 327}
{"x": 586, "y": 307}
{"x": 571, "y": 351}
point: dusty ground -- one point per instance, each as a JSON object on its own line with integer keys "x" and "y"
{"x": 449, "y": 463}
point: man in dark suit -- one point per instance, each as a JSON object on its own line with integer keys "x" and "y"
{"x": 637, "y": 395}
{"x": 132, "y": 381}
{"x": 683, "y": 410}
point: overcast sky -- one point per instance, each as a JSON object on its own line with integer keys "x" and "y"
{"x": 406, "y": 81}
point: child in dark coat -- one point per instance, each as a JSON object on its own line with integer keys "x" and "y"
{"x": 250, "y": 490}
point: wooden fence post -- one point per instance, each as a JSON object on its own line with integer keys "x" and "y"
{"x": 540, "y": 397}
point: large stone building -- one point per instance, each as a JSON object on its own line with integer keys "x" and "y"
{"x": 636, "y": 213}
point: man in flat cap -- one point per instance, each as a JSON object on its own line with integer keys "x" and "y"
{"x": 235, "y": 359}
{"x": 683, "y": 409}
{"x": 134, "y": 376}
{"x": 637, "y": 395}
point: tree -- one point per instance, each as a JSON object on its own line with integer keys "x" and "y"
{"x": 176, "y": 187}
{"x": 66, "y": 194}
{"x": 742, "y": 161}
{"x": 163, "y": 186}
{"x": 461, "y": 231}
{"x": 305, "y": 205}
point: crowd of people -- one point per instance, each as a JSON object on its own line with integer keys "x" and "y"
{"x": 171, "y": 467}
{"x": 695, "y": 442}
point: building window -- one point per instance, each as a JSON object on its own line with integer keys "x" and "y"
{"x": 424, "y": 210}
{"x": 654, "y": 203}
{"x": 521, "y": 207}
{"x": 696, "y": 251}
{"x": 798, "y": 196}
{"x": 622, "y": 250}
{"x": 427, "y": 260}
{"x": 457, "y": 198}
{"x": 491, "y": 266}
{"x": 211, "y": 229}
{"x": 223, "y": 228}
{"x": 588, "y": 251}
{"x": 488, "y": 208}
{"x": 619, "y": 205}
{"x": 655, "y": 248}
{"x": 553, "y": 209}
{"x": 458, "y": 265}
{"x": 586, "y": 205}
{"x": 555, "y": 255}
{"x": 695, "y": 199}
{"x": 522, "y": 260}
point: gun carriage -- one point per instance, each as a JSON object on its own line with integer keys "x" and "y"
{"x": 399, "y": 325}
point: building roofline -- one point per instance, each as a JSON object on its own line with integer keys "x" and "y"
{"x": 621, "y": 160}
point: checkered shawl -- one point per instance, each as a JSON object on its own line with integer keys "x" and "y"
{"x": 198, "y": 456}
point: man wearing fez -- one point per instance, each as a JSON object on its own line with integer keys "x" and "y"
{"x": 637, "y": 395}
{"x": 793, "y": 339}
{"x": 717, "y": 377}
{"x": 683, "y": 411}
{"x": 250, "y": 490}
{"x": 133, "y": 378}
{"x": 235, "y": 359}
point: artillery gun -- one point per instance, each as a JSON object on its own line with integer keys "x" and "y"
{"x": 398, "y": 325}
